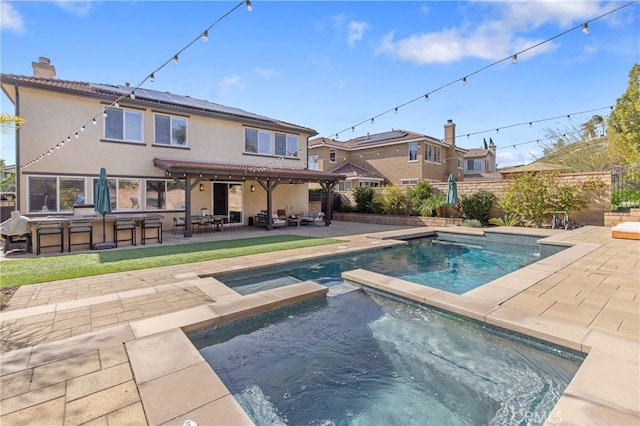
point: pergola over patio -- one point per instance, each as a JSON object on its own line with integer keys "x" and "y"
{"x": 189, "y": 173}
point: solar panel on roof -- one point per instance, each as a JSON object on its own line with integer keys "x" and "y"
{"x": 186, "y": 101}
{"x": 394, "y": 134}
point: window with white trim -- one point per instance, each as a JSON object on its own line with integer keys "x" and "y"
{"x": 428, "y": 152}
{"x": 413, "y": 151}
{"x": 170, "y": 130}
{"x": 436, "y": 154}
{"x": 123, "y": 124}
{"x": 474, "y": 165}
{"x": 264, "y": 142}
{"x": 460, "y": 161}
{"x": 344, "y": 185}
{"x": 408, "y": 181}
{"x": 332, "y": 155}
{"x": 286, "y": 145}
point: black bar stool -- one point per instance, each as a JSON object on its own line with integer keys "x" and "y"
{"x": 80, "y": 226}
{"x": 152, "y": 222}
{"x": 49, "y": 228}
{"x": 124, "y": 225}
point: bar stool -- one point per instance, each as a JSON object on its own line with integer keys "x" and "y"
{"x": 80, "y": 226}
{"x": 177, "y": 223}
{"x": 124, "y": 225}
{"x": 152, "y": 222}
{"x": 49, "y": 228}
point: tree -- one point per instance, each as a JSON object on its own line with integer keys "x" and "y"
{"x": 363, "y": 196}
{"x": 417, "y": 194}
{"x": 391, "y": 200}
{"x": 624, "y": 123}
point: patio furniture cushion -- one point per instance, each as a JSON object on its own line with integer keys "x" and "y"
{"x": 626, "y": 230}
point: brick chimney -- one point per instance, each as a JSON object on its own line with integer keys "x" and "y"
{"x": 451, "y": 162}
{"x": 43, "y": 68}
{"x": 450, "y": 133}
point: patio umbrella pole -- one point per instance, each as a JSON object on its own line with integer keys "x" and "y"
{"x": 102, "y": 205}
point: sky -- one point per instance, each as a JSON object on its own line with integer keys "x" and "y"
{"x": 334, "y": 65}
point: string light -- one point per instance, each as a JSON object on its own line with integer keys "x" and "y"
{"x": 515, "y": 59}
{"x": 205, "y": 35}
{"x": 151, "y": 76}
{"x": 510, "y": 57}
{"x": 585, "y": 28}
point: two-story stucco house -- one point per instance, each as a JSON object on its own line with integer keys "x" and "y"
{"x": 397, "y": 157}
{"x": 480, "y": 163}
{"x": 165, "y": 153}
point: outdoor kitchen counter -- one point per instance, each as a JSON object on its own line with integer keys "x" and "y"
{"x": 96, "y": 224}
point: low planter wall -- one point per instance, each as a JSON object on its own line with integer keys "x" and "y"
{"x": 613, "y": 219}
{"x": 385, "y": 219}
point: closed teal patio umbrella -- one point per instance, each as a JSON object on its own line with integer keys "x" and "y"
{"x": 102, "y": 205}
{"x": 452, "y": 191}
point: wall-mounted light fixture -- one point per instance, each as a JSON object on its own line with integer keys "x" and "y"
{"x": 252, "y": 188}
{"x": 201, "y": 187}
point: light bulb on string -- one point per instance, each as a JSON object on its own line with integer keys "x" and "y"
{"x": 175, "y": 59}
{"x": 132, "y": 95}
{"x": 94, "y": 121}
{"x": 585, "y": 28}
{"x": 116, "y": 104}
{"x": 77, "y": 135}
{"x": 249, "y": 7}
{"x": 514, "y": 59}
{"x": 152, "y": 77}
{"x": 426, "y": 97}
{"x": 464, "y": 81}
{"x": 205, "y": 35}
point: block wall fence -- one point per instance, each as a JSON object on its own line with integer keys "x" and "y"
{"x": 597, "y": 212}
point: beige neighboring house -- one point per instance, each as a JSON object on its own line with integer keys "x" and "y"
{"x": 480, "y": 163}
{"x": 397, "y": 157}
{"x": 154, "y": 145}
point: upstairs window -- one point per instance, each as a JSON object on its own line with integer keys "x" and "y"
{"x": 170, "y": 130}
{"x": 413, "y": 152}
{"x": 286, "y": 145}
{"x": 428, "y": 149}
{"x": 264, "y": 142}
{"x": 332, "y": 155}
{"x": 123, "y": 125}
{"x": 436, "y": 154}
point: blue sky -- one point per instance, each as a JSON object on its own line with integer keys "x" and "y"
{"x": 331, "y": 65}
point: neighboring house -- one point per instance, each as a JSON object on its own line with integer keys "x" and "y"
{"x": 396, "y": 157}
{"x": 153, "y": 145}
{"x": 480, "y": 163}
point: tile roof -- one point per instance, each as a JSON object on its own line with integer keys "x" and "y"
{"x": 395, "y": 136}
{"x": 353, "y": 171}
{"x": 143, "y": 96}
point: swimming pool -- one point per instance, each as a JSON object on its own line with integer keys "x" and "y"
{"x": 362, "y": 358}
{"x": 438, "y": 263}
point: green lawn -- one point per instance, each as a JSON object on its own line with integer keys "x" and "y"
{"x": 51, "y": 268}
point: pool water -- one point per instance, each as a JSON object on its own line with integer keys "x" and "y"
{"x": 364, "y": 359}
{"x": 448, "y": 266}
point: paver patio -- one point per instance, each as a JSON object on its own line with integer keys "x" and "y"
{"x": 109, "y": 350}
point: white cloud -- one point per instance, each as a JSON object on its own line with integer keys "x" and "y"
{"x": 229, "y": 83}
{"x": 10, "y": 18}
{"x": 266, "y": 73}
{"x": 356, "y": 31}
{"x": 504, "y": 31}
{"x": 76, "y": 7}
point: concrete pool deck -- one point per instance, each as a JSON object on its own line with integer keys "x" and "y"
{"x": 112, "y": 349}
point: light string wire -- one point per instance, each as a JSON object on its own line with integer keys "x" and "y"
{"x": 464, "y": 79}
{"x": 532, "y": 122}
{"x": 131, "y": 93}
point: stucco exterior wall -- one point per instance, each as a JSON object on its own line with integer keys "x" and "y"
{"x": 52, "y": 116}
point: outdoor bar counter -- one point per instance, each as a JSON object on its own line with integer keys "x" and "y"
{"x": 97, "y": 226}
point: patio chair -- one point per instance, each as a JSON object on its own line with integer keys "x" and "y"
{"x": 122, "y": 224}
{"x": 152, "y": 222}
{"x": 177, "y": 223}
{"x": 311, "y": 218}
{"x": 80, "y": 226}
{"x": 49, "y": 228}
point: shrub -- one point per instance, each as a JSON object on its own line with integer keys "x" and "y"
{"x": 417, "y": 194}
{"x": 391, "y": 200}
{"x": 508, "y": 220}
{"x": 534, "y": 196}
{"x": 477, "y": 206}
{"x": 363, "y": 196}
{"x": 433, "y": 204}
